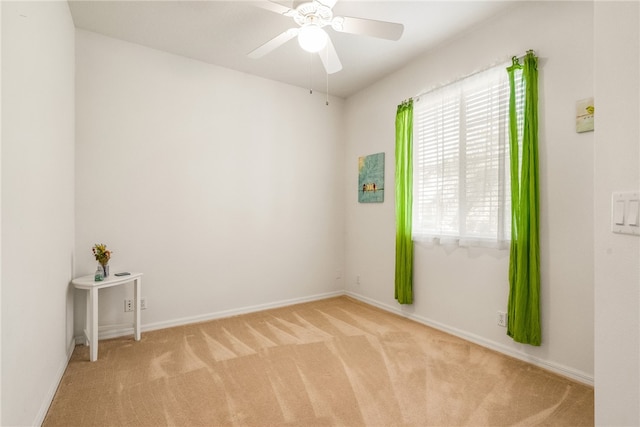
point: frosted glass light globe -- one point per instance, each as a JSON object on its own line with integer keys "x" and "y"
{"x": 312, "y": 38}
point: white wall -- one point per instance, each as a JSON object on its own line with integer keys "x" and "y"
{"x": 0, "y": 215}
{"x": 224, "y": 189}
{"x": 37, "y": 205}
{"x": 460, "y": 290}
{"x": 617, "y": 257}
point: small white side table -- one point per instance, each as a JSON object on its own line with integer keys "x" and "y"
{"x": 91, "y": 323}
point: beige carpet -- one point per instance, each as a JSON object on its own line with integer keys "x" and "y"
{"x": 331, "y": 362}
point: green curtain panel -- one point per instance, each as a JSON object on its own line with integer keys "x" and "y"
{"x": 524, "y": 265}
{"x": 404, "y": 200}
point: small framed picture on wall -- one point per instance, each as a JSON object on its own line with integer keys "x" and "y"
{"x": 584, "y": 115}
{"x": 371, "y": 178}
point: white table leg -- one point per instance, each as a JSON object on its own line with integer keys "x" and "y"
{"x": 137, "y": 294}
{"x": 87, "y": 319}
{"x": 92, "y": 314}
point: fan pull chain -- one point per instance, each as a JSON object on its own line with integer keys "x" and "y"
{"x": 310, "y": 74}
{"x": 327, "y": 101}
{"x": 327, "y": 74}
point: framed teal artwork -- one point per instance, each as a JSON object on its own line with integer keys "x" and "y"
{"x": 371, "y": 178}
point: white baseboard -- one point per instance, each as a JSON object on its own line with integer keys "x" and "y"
{"x": 70, "y": 348}
{"x": 51, "y": 393}
{"x": 557, "y": 368}
{"x": 119, "y": 330}
{"x": 114, "y": 331}
{"x": 237, "y": 311}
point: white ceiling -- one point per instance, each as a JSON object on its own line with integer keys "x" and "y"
{"x": 223, "y": 32}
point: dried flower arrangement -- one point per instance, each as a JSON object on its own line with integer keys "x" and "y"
{"x": 102, "y": 254}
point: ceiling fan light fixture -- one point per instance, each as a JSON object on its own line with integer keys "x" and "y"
{"x": 312, "y": 38}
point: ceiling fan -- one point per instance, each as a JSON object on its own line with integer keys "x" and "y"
{"x": 311, "y": 18}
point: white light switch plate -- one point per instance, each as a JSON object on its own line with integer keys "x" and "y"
{"x": 624, "y": 212}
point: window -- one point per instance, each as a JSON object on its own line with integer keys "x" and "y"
{"x": 461, "y": 190}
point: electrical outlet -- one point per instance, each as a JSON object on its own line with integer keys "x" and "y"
{"x": 502, "y": 319}
{"x": 357, "y": 280}
{"x": 129, "y": 304}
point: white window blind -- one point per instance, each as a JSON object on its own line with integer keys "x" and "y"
{"x": 461, "y": 162}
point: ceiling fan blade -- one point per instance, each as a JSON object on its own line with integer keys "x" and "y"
{"x": 329, "y": 58}
{"x": 273, "y": 7}
{"x": 328, "y": 3}
{"x": 368, "y": 27}
{"x": 275, "y": 42}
